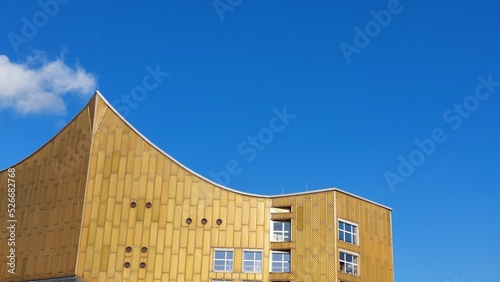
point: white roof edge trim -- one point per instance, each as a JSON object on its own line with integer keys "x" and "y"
{"x": 217, "y": 184}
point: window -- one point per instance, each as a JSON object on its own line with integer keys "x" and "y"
{"x": 280, "y": 231}
{"x": 348, "y": 232}
{"x": 280, "y": 261}
{"x": 349, "y": 263}
{"x": 281, "y": 209}
{"x": 252, "y": 261}
{"x": 223, "y": 260}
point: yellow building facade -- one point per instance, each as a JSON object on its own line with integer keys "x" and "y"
{"x": 100, "y": 202}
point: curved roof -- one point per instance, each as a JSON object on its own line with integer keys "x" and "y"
{"x": 98, "y": 94}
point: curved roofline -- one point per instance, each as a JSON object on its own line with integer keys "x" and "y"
{"x": 54, "y": 136}
{"x": 170, "y": 157}
{"x": 220, "y": 185}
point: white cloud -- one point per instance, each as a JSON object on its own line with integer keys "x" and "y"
{"x": 38, "y": 85}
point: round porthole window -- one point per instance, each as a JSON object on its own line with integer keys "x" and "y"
{"x": 219, "y": 221}
{"x": 148, "y": 205}
{"x": 204, "y": 221}
{"x": 144, "y": 249}
{"x": 142, "y": 265}
{"x": 133, "y": 204}
{"x": 126, "y": 265}
{"x": 128, "y": 249}
{"x": 189, "y": 220}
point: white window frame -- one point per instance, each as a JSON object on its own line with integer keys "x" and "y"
{"x": 225, "y": 260}
{"x": 255, "y": 261}
{"x": 354, "y": 235}
{"x": 282, "y": 236}
{"x": 283, "y": 262}
{"x": 354, "y": 266}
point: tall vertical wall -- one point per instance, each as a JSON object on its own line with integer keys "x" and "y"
{"x": 315, "y": 245}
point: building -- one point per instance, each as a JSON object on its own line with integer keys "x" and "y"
{"x": 99, "y": 202}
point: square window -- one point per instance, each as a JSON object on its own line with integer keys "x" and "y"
{"x": 223, "y": 260}
{"x": 348, "y": 263}
{"x": 280, "y": 261}
{"x": 281, "y": 231}
{"x": 252, "y": 261}
{"x": 348, "y": 232}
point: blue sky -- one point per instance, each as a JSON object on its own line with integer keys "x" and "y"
{"x": 394, "y": 101}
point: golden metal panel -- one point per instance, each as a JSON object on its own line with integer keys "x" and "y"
{"x": 101, "y": 214}
{"x": 158, "y": 266}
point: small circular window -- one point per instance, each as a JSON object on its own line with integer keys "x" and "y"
{"x": 133, "y": 204}
{"x": 204, "y": 221}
